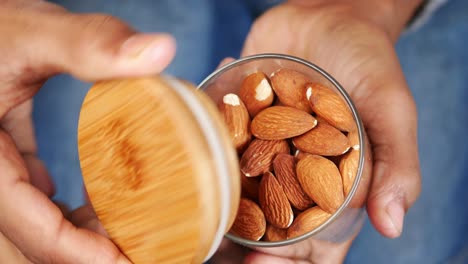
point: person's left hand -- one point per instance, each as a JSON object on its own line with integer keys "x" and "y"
{"x": 40, "y": 40}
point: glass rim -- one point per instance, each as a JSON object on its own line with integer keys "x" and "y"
{"x": 360, "y": 129}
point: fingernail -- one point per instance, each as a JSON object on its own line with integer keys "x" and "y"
{"x": 396, "y": 214}
{"x": 148, "y": 46}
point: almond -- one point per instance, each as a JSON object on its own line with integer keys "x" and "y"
{"x": 237, "y": 120}
{"x": 329, "y": 105}
{"x": 256, "y": 93}
{"x": 321, "y": 180}
{"x": 323, "y": 140}
{"x": 285, "y": 170}
{"x": 353, "y": 137}
{"x": 278, "y": 103}
{"x": 307, "y": 221}
{"x": 273, "y": 234}
{"x": 281, "y": 122}
{"x": 348, "y": 169}
{"x": 289, "y": 87}
{"x": 250, "y": 221}
{"x": 258, "y": 157}
{"x": 274, "y": 203}
{"x": 250, "y": 187}
{"x": 300, "y": 154}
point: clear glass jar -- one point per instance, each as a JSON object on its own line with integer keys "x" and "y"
{"x": 348, "y": 219}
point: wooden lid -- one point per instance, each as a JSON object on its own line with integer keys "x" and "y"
{"x": 150, "y": 172}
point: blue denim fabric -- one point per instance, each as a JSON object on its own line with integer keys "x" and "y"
{"x": 436, "y": 66}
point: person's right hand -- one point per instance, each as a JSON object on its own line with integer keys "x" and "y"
{"x": 39, "y": 40}
{"x": 353, "y": 41}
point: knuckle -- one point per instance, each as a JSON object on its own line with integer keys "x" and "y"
{"x": 403, "y": 185}
{"x": 99, "y": 32}
{"x": 99, "y": 21}
{"x": 391, "y": 190}
{"x": 96, "y": 35}
{"x": 102, "y": 24}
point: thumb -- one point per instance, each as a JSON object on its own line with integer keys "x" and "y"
{"x": 396, "y": 182}
{"x": 88, "y": 46}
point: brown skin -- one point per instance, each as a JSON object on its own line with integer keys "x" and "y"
{"x": 355, "y": 45}
{"x": 40, "y": 39}
{"x": 352, "y": 40}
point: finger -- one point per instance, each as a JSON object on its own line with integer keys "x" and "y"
{"x": 316, "y": 251}
{"x": 9, "y": 253}
{"x": 88, "y": 46}
{"x": 230, "y": 253}
{"x": 38, "y": 175}
{"x": 36, "y": 226}
{"x": 225, "y": 61}
{"x": 63, "y": 208}
{"x": 396, "y": 182}
{"x": 19, "y": 125}
{"x": 85, "y": 217}
{"x": 261, "y": 258}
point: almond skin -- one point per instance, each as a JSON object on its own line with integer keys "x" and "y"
{"x": 353, "y": 138}
{"x": 348, "y": 169}
{"x": 274, "y": 203}
{"x": 321, "y": 180}
{"x": 237, "y": 120}
{"x": 250, "y": 187}
{"x": 329, "y": 105}
{"x": 273, "y": 234}
{"x": 285, "y": 170}
{"x": 307, "y": 221}
{"x": 258, "y": 157}
{"x": 250, "y": 221}
{"x": 300, "y": 154}
{"x": 281, "y": 122}
{"x": 289, "y": 87}
{"x": 323, "y": 140}
{"x": 256, "y": 93}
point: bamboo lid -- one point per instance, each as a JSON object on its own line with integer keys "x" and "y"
{"x": 150, "y": 170}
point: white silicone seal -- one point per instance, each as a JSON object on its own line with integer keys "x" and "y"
{"x": 221, "y": 164}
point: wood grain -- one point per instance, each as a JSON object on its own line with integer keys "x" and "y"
{"x": 149, "y": 172}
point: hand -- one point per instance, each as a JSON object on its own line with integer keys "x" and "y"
{"x": 39, "y": 40}
{"x": 355, "y": 46}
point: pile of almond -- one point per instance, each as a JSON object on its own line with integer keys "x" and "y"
{"x": 298, "y": 149}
